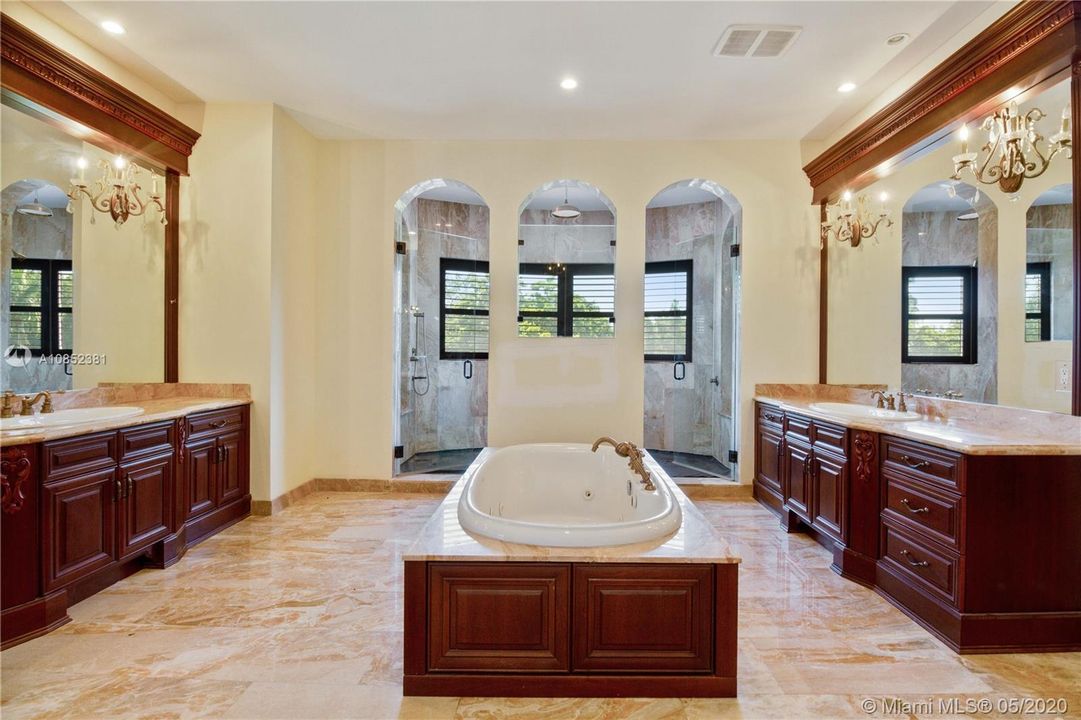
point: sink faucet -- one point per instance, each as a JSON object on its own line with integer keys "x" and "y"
{"x": 29, "y": 402}
{"x": 629, "y": 450}
{"x": 885, "y": 400}
{"x": 7, "y": 410}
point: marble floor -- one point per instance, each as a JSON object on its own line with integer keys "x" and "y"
{"x": 299, "y": 616}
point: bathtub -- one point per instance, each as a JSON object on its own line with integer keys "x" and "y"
{"x": 565, "y": 495}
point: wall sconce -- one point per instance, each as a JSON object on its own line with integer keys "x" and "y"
{"x": 854, "y": 224}
{"x": 1012, "y": 149}
{"x": 117, "y": 190}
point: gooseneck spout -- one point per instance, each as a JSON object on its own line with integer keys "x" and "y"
{"x": 630, "y": 451}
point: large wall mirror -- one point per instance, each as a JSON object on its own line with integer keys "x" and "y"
{"x": 566, "y": 262}
{"x": 972, "y": 296}
{"x": 83, "y": 296}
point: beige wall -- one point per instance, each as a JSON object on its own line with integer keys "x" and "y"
{"x": 865, "y": 292}
{"x": 564, "y": 389}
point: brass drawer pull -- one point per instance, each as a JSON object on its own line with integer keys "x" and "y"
{"x": 914, "y": 464}
{"x": 914, "y": 511}
{"x": 219, "y": 424}
{"x": 771, "y": 417}
{"x": 913, "y": 563}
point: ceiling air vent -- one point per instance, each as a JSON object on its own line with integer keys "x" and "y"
{"x": 760, "y": 41}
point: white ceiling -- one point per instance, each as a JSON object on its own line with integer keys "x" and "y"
{"x": 582, "y": 196}
{"x": 491, "y": 70}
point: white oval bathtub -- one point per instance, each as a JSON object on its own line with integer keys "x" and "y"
{"x": 565, "y": 495}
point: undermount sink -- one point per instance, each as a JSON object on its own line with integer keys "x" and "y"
{"x": 24, "y": 425}
{"x": 865, "y": 412}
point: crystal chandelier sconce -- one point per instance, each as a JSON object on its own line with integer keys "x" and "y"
{"x": 118, "y": 192}
{"x": 853, "y": 223}
{"x": 1012, "y": 152}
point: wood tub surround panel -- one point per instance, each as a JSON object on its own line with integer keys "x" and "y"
{"x": 550, "y": 629}
{"x": 981, "y": 550}
{"x": 82, "y": 512}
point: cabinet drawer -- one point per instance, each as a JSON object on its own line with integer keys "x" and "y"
{"x": 147, "y": 440}
{"x": 215, "y": 422}
{"x": 831, "y": 437}
{"x": 921, "y": 507}
{"x": 643, "y": 618}
{"x": 928, "y": 567}
{"x": 85, "y": 453}
{"x": 798, "y": 426}
{"x": 770, "y": 416}
{"x": 921, "y": 462}
{"x": 499, "y": 617}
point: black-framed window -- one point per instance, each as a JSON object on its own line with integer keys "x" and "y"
{"x": 938, "y": 314}
{"x": 42, "y": 296}
{"x": 573, "y": 300}
{"x": 668, "y": 311}
{"x": 464, "y": 304}
{"x": 1038, "y": 302}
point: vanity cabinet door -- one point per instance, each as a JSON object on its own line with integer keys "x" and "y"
{"x": 200, "y": 468}
{"x": 229, "y": 470}
{"x": 797, "y": 476}
{"x": 769, "y": 458}
{"x": 146, "y": 512}
{"x": 830, "y": 479}
{"x": 78, "y": 526}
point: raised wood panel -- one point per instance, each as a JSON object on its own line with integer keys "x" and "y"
{"x": 830, "y": 478}
{"x": 797, "y": 478}
{"x": 904, "y": 458}
{"x": 769, "y": 450}
{"x": 511, "y": 617}
{"x": 146, "y": 440}
{"x": 923, "y": 508}
{"x": 230, "y": 469}
{"x": 931, "y": 567}
{"x": 78, "y": 531}
{"x": 215, "y": 423}
{"x": 146, "y": 513}
{"x": 199, "y": 474}
{"x": 72, "y": 456}
{"x": 643, "y": 618}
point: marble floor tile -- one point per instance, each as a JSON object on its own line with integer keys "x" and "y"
{"x": 298, "y": 615}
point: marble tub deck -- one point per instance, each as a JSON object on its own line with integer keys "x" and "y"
{"x": 298, "y": 615}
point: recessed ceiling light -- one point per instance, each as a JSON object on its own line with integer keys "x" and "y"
{"x": 112, "y": 27}
{"x": 568, "y": 83}
{"x": 969, "y": 216}
{"x": 846, "y": 87}
{"x": 897, "y": 38}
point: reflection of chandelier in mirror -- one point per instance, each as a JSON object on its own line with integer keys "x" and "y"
{"x": 1012, "y": 149}
{"x": 851, "y": 224}
{"x": 117, "y": 190}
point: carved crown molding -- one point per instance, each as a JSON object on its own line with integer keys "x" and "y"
{"x": 1018, "y": 31}
{"x": 23, "y": 49}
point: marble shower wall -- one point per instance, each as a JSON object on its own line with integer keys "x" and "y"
{"x": 693, "y": 415}
{"x": 33, "y": 237}
{"x": 1049, "y": 238}
{"x": 938, "y": 238}
{"x": 453, "y": 413}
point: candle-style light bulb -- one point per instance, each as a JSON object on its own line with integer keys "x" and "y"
{"x": 81, "y": 163}
{"x": 846, "y": 199}
{"x": 964, "y": 138}
{"x": 1066, "y": 119}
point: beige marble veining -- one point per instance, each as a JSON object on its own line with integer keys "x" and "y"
{"x": 166, "y": 408}
{"x": 967, "y": 427}
{"x": 299, "y": 616}
{"x": 444, "y": 538}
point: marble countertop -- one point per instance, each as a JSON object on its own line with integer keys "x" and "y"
{"x": 973, "y": 430}
{"x": 443, "y": 538}
{"x": 153, "y": 410}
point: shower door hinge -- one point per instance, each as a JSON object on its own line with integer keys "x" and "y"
{"x": 734, "y": 250}
{"x": 733, "y": 456}
{"x": 399, "y": 247}
{"x": 399, "y": 452}
{"x": 521, "y": 242}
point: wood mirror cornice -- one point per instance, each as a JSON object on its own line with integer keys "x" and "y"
{"x": 1032, "y": 46}
{"x": 37, "y": 73}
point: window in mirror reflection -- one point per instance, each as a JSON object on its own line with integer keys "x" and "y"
{"x": 566, "y": 262}
{"x": 1049, "y": 266}
{"x": 949, "y": 330}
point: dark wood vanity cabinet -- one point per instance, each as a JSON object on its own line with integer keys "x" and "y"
{"x": 83, "y": 512}
{"x": 982, "y": 550}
